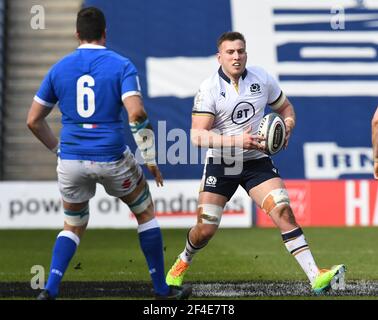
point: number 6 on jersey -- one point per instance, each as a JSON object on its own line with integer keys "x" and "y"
{"x": 83, "y": 89}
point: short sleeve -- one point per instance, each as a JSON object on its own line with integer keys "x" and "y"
{"x": 130, "y": 81}
{"x": 204, "y": 102}
{"x": 275, "y": 91}
{"x": 46, "y": 93}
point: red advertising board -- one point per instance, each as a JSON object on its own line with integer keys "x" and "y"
{"x": 330, "y": 203}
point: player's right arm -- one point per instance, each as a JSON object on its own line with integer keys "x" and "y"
{"x": 43, "y": 103}
{"x": 374, "y": 138}
{"x": 38, "y": 125}
{"x": 202, "y": 133}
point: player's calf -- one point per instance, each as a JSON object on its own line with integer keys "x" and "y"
{"x": 150, "y": 238}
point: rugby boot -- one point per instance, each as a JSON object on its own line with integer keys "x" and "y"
{"x": 175, "y": 275}
{"x": 329, "y": 278}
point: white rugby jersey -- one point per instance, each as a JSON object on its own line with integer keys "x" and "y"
{"x": 235, "y": 108}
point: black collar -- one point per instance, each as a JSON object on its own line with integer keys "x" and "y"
{"x": 227, "y": 79}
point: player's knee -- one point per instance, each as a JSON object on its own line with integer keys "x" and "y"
{"x": 201, "y": 234}
{"x": 204, "y": 232}
{"x": 277, "y": 198}
{"x": 142, "y": 202}
{"x": 209, "y": 214}
{"x": 77, "y": 218}
{"x": 285, "y": 213}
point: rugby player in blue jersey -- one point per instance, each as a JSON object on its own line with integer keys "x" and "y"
{"x": 92, "y": 85}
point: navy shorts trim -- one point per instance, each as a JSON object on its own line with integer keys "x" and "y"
{"x": 253, "y": 173}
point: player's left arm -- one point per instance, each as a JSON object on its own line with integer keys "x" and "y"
{"x": 286, "y": 110}
{"x": 36, "y": 122}
{"x": 279, "y": 103}
{"x": 143, "y": 134}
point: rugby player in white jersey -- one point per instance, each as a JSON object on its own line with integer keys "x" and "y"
{"x": 226, "y": 114}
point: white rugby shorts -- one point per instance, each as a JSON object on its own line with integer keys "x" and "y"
{"x": 77, "y": 178}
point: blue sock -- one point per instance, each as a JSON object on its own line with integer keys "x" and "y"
{"x": 64, "y": 249}
{"x": 151, "y": 243}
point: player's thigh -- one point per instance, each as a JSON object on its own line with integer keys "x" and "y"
{"x": 140, "y": 189}
{"x": 212, "y": 198}
{"x": 217, "y": 188}
{"x": 124, "y": 178}
{"x": 76, "y": 184}
{"x": 216, "y": 184}
{"x": 261, "y": 191}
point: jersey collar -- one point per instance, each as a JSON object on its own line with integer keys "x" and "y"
{"x": 226, "y": 78}
{"x": 90, "y": 46}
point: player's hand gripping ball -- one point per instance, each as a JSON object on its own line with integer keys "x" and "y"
{"x": 272, "y": 128}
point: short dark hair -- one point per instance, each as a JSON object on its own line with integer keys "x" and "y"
{"x": 90, "y": 24}
{"x": 230, "y": 36}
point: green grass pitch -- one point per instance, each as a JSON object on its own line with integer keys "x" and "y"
{"x": 232, "y": 255}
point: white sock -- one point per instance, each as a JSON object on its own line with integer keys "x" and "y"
{"x": 189, "y": 251}
{"x": 296, "y": 244}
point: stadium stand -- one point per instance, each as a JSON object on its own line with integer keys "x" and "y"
{"x": 29, "y": 54}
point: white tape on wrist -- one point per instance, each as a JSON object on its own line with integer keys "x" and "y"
{"x": 151, "y": 162}
{"x": 145, "y": 140}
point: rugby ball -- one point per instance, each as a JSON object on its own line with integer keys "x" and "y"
{"x": 272, "y": 128}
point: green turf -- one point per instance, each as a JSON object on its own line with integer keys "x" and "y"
{"x": 233, "y": 254}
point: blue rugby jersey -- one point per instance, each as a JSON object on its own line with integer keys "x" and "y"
{"x": 90, "y": 84}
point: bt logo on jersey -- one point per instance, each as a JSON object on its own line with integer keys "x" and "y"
{"x": 243, "y": 112}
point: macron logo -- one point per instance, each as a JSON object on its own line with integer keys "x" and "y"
{"x": 57, "y": 272}
{"x": 153, "y": 270}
